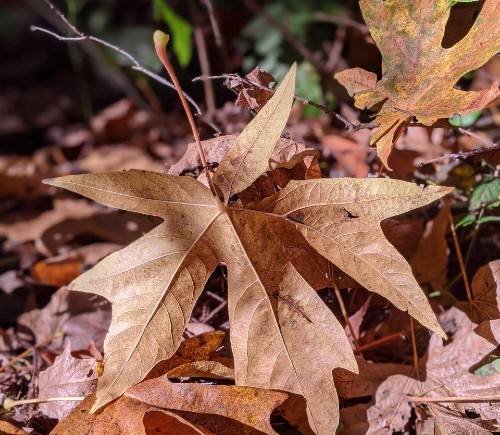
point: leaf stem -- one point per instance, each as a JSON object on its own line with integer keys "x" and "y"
{"x": 160, "y": 41}
{"x": 460, "y": 258}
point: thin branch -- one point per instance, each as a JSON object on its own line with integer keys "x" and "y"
{"x": 466, "y": 399}
{"x": 464, "y": 155}
{"x": 348, "y": 125}
{"x": 82, "y": 37}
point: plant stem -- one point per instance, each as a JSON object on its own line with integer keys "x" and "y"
{"x": 453, "y": 399}
{"x": 460, "y": 258}
{"x": 28, "y": 351}
{"x": 160, "y": 41}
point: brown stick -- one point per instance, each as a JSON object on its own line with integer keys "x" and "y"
{"x": 460, "y": 258}
{"x": 453, "y": 399}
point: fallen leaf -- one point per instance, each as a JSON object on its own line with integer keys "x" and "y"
{"x": 273, "y": 255}
{"x": 82, "y": 318}
{"x": 248, "y": 157}
{"x": 208, "y": 408}
{"x": 430, "y": 261}
{"x": 420, "y": 75}
{"x": 250, "y": 406}
{"x": 125, "y": 416}
{"x": 351, "y": 156}
{"x": 67, "y": 377}
{"x": 486, "y": 289}
{"x": 252, "y": 96}
{"x": 184, "y": 252}
{"x": 7, "y": 428}
{"x": 56, "y": 273}
{"x": 32, "y": 229}
{"x": 443, "y": 372}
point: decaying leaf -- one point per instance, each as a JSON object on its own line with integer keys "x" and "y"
{"x": 420, "y": 74}
{"x": 485, "y": 291}
{"x": 206, "y": 408}
{"x": 283, "y": 337}
{"x": 445, "y": 371}
{"x": 248, "y": 158}
{"x": 67, "y": 377}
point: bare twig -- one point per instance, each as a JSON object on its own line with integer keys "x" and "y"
{"x": 464, "y": 155}
{"x": 348, "y": 125}
{"x": 82, "y": 37}
{"x": 160, "y": 41}
{"x": 466, "y": 399}
{"x": 201, "y": 48}
{"x": 31, "y": 349}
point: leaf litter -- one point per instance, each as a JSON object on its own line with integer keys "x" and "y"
{"x": 271, "y": 210}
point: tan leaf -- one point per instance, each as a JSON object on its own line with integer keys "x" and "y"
{"x": 282, "y": 335}
{"x": 341, "y": 218}
{"x": 445, "y": 371}
{"x": 421, "y": 75}
{"x": 68, "y": 376}
{"x": 251, "y": 151}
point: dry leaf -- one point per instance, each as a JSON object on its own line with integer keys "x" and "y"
{"x": 485, "y": 291}
{"x": 82, "y": 318}
{"x": 444, "y": 371}
{"x": 278, "y": 322}
{"x": 67, "y": 377}
{"x": 154, "y": 283}
{"x": 248, "y": 158}
{"x": 420, "y": 74}
{"x": 7, "y": 428}
{"x": 125, "y": 417}
{"x": 253, "y": 97}
{"x": 21, "y": 232}
{"x": 209, "y": 408}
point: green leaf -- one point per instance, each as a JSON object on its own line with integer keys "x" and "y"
{"x": 465, "y": 121}
{"x": 452, "y": 3}
{"x": 489, "y": 369}
{"x": 485, "y": 219}
{"x": 181, "y": 32}
{"x": 488, "y": 191}
{"x": 466, "y": 221}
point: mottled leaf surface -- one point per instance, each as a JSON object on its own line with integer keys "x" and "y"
{"x": 420, "y": 75}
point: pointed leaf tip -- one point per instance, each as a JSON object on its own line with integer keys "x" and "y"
{"x": 48, "y": 181}
{"x": 160, "y": 38}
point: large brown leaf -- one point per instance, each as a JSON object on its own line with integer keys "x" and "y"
{"x": 420, "y": 74}
{"x": 279, "y": 324}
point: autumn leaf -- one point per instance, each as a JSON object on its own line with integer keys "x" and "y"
{"x": 278, "y": 321}
{"x": 206, "y": 408}
{"x": 445, "y": 371}
{"x": 276, "y": 255}
{"x": 420, "y": 75}
{"x": 68, "y": 376}
{"x": 248, "y": 158}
